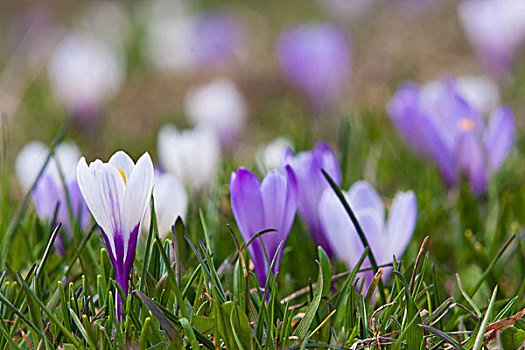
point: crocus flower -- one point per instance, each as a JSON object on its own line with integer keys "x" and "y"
{"x": 117, "y": 194}
{"x": 85, "y": 74}
{"x": 311, "y": 184}
{"x": 219, "y": 36}
{"x": 385, "y": 238}
{"x": 171, "y": 201}
{"x": 49, "y": 192}
{"x": 316, "y": 60}
{"x": 439, "y": 123}
{"x": 191, "y": 155}
{"x": 496, "y": 30}
{"x": 271, "y": 156}
{"x": 219, "y": 105}
{"x": 479, "y": 91}
{"x": 259, "y": 206}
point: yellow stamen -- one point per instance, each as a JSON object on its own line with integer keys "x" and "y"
{"x": 466, "y": 124}
{"x": 123, "y": 175}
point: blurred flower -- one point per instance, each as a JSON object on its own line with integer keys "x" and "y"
{"x": 49, "y": 192}
{"x": 312, "y": 183}
{"x": 259, "y": 206}
{"x": 496, "y": 29}
{"x": 316, "y": 59}
{"x": 85, "y": 74}
{"x": 191, "y": 155}
{"x": 219, "y": 36}
{"x": 479, "y": 91}
{"x": 271, "y": 156}
{"x": 181, "y": 42}
{"x": 437, "y": 121}
{"x": 218, "y": 105}
{"x": 385, "y": 239}
{"x": 117, "y": 193}
{"x": 171, "y": 201}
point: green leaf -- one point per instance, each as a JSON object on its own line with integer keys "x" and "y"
{"x": 165, "y": 323}
{"x": 511, "y": 338}
{"x": 479, "y": 337}
{"x": 302, "y": 328}
{"x": 242, "y": 332}
{"x": 326, "y": 266}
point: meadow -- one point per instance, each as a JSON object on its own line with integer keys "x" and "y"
{"x": 249, "y": 175}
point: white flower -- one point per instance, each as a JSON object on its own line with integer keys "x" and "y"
{"x": 117, "y": 193}
{"x": 171, "y": 201}
{"x": 219, "y": 105}
{"x": 84, "y": 74}
{"x": 271, "y": 156}
{"x": 49, "y": 193}
{"x": 192, "y": 155}
{"x": 32, "y": 157}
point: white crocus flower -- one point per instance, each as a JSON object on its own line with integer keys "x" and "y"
{"x": 191, "y": 155}
{"x": 49, "y": 192}
{"x": 271, "y": 156}
{"x": 117, "y": 193}
{"x": 219, "y": 105}
{"x": 85, "y": 74}
{"x": 171, "y": 201}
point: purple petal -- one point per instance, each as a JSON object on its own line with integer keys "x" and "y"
{"x": 316, "y": 59}
{"x": 471, "y": 160}
{"x": 499, "y": 137}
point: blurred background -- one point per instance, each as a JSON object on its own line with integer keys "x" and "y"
{"x": 115, "y": 72}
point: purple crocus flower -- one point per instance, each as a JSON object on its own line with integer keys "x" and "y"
{"x": 316, "y": 60}
{"x": 219, "y": 36}
{"x": 259, "y": 206}
{"x": 117, "y": 193}
{"x": 49, "y": 192}
{"x": 496, "y": 30}
{"x": 439, "y": 122}
{"x": 312, "y": 183}
{"x": 385, "y": 238}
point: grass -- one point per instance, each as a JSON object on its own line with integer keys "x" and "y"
{"x": 195, "y": 288}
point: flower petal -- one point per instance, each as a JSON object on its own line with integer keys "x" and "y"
{"x": 137, "y": 196}
{"x": 499, "y": 137}
{"x": 29, "y": 162}
{"x": 338, "y": 229}
{"x": 247, "y": 203}
{"x": 171, "y": 201}
{"x": 120, "y": 160}
{"x": 103, "y": 190}
{"x": 401, "y": 223}
{"x": 471, "y": 159}
{"x": 363, "y": 196}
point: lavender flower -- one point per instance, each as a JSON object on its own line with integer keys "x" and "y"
{"x": 258, "y": 206}
{"x": 437, "y": 121}
{"x": 49, "y": 192}
{"x": 311, "y": 185}
{"x": 270, "y": 156}
{"x": 496, "y": 29}
{"x": 316, "y": 60}
{"x": 385, "y": 239}
{"x": 117, "y": 194}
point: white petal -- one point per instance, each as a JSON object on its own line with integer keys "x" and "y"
{"x": 137, "y": 196}
{"x": 29, "y": 162}
{"x": 67, "y": 155}
{"x": 171, "y": 201}
{"x": 102, "y": 187}
{"x": 122, "y": 161}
